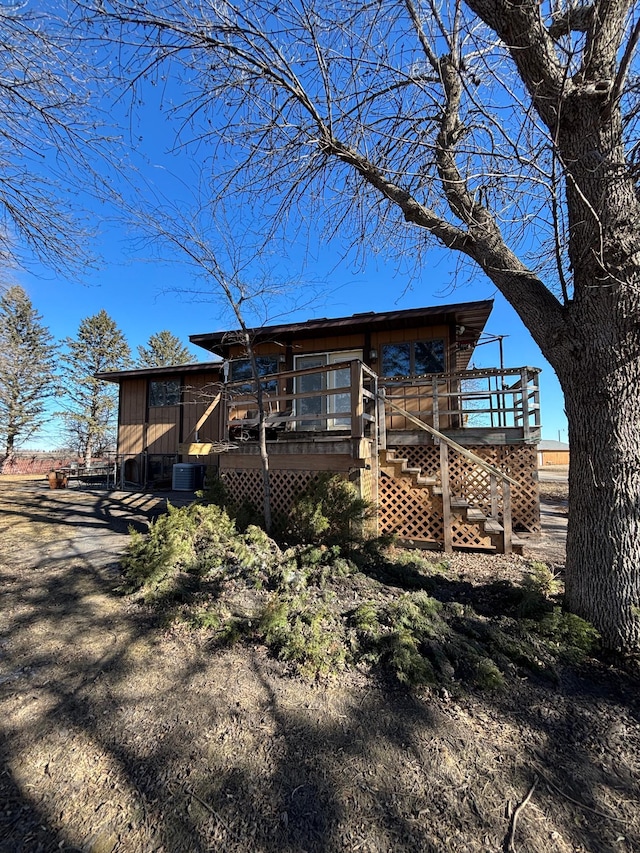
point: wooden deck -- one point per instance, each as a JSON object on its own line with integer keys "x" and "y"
{"x": 348, "y": 400}
{"x": 448, "y": 459}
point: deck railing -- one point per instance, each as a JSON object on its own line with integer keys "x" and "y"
{"x": 335, "y": 398}
{"x": 505, "y": 398}
{"x": 345, "y": 398}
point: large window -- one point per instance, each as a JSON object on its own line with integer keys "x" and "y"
{"x": 165, "y": 392}
{"x": 413, "y": 358}
{"x": 267, "y": 364}
{"x": 324, "y": 381}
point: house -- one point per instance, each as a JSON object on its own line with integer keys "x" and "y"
{"x": 447, "y": 454}
{"x": 552, "y": 452}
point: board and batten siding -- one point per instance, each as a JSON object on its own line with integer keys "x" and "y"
{"x": 159, "y": 429}
{"x": 359, "y": 340}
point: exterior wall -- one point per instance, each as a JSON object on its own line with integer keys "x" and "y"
{"x": 336, "y": 343}
{"x": 156, "y": 431}
{"x": 553, "y": 457}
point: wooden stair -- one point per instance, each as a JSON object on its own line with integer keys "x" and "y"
{"x": 461, "y": 511}
{"x": 398, "y": 467}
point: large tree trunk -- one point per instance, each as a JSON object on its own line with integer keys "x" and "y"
{"x": 598, "y": 364}
{"x": 603, "y": 543}
{"x": 600, "y": 376}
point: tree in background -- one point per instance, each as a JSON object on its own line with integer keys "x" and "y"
{"x": 27, "y": 370}
{"x": 505, "y": 132}
{"x": 91, "y": 405}
{"x": 163, "y": 350}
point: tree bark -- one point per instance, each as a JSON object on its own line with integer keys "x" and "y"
{"x": 603, "y": 542}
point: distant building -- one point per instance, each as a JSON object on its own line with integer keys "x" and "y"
{"x": 552, "y": 453}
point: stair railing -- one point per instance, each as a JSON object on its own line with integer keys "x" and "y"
{"x": 495, "y": 475}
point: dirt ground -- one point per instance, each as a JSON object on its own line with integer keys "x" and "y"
{"x": 118, "y": 735}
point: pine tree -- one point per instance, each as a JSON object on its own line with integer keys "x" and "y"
{"x": 27, "y": 369}
{"x": 92, "y": 404}
{"x": 163, "y": 350}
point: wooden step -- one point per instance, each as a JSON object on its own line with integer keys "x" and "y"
{"x": 426, "y": 481}
{"x": 491, "y": 525}
{"x": 489, "y": 549}
{"x": 475, "y": 515}
{"x": 458, "y": 502}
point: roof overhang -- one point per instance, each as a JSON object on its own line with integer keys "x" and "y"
{"x": 470, "y": 315}
{"x": 174, "y": 370}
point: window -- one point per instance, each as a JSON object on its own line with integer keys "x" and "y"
{"x": 164, "y": 392}
{"x": 267, "y": 364}
{"x": 322, "y": 381}
{"x": 413, "y": 359}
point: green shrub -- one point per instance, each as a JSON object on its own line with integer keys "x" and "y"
{"x": 193, "y": 543}
{"x": 315, "y": 609}
{"x": 215, "y": 492}
{"x": 306, "y": 634}
{"x": 408, "y": 664}
{"x": 488, "y": 675}
{"x": 569, "y": 632}
{"x": 542, "y": 579}
{"x": 329, "y": 512}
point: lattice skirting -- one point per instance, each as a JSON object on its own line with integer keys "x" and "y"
{"x": 518, "y": 461}
{"x": 409, "y": 512}
{"x": 246, "y": 485}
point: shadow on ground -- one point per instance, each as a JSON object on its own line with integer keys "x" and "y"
{"x": 120, "y": 736}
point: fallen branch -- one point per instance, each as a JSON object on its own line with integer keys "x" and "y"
{"x": 582, "y": 805}
{"x": 206, "y": 805}
{"x": 508, "y": 846}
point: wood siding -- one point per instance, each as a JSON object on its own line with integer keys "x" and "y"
{"x": 361, "y": 340}
{"x": 160, "y": 429}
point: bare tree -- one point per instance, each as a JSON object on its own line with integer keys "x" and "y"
{"x": 504, "y": 131}
{"x": 232, "y": 274}
{"x": 53, "y": 146}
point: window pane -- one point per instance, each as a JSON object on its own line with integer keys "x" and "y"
{"x": 240, "y": 369}
{"x": 165, "y": 393}
{"x": 267, "y": 364}
{"x": 396, "y": 360}
{"x": 428, "y": 357}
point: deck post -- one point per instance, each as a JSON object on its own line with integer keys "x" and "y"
{"x": 223, "y": 415}
{"x": 446, "y": 497}
{"x": 357, "y": 400}
{"x": 524, "y": 381}
{"x": 506, "y": 517}
{"x": 382, "y": 418}
{"x": 436, "y": 406}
